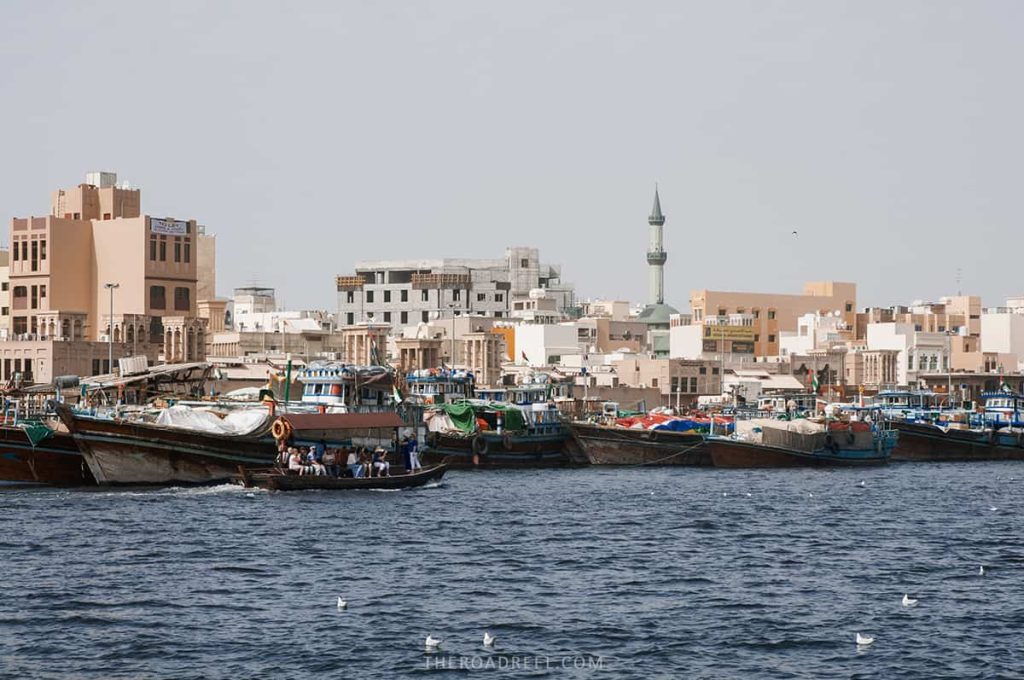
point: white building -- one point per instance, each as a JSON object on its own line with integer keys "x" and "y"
{"x": 814, "y": 331}
{"x": 404, "y": 292}
{"x": 546, "y": 344}
{"x": 919, "y": 352}
{"x": 716, "y": 337}
{"x": 1002, "y": 332}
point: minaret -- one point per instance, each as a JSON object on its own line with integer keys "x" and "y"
{"x": 656, "y": 254}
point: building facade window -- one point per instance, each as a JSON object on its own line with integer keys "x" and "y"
{"x": 350, "y": 318}
{"x": 163, "y": 249}
{"x": 152, "y": 249}
{"x": 480, "y": 297}
{"x": 425, "y": 296}
{"x": 387, "y": 296}
{"x": 369, "y": 296}
{"x": 404, "y": 317}
{"x": 771, "y": 337}
{"x": 157, "y": 297}
{"x": 350, "y": 297}
{"x": 771, "y": 313}
{"x": 457, "y": 294}
{"x": 425, "y": 316}
{"x": 188, "y": 252}
{"x": 499, "y": 297}
{"x": 181, "y": 299}
{"x": 42, "y": 249}
{"x": 177, "y": 249}
{"x": 404, "y": 296}
{"x": 387, "y": 317}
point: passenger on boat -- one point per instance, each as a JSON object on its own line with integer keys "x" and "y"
{"x": 406, "y": 453}
{"x": 330, "y": 461}
{"x": 353, "y": 464}
{"x": 283, "y": 455}
{"x": 380, "y": 462}
{"x": 313, "y": 466}
{"x": 365, "y": 463}
{"x": 295, "y": 461}
{"x": 414, "y": 455}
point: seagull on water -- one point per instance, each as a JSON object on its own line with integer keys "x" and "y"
{"x": 431, "y": 642}
{"x": 861, "y": 484}
{"x": 981, "y": 570}
{"x": 488, "y": 639}
{"x": 908, "y": 601}
{"x": 864, "y": 640}
{"x": 342, "y": 604}
{"x": 993, "y": 509}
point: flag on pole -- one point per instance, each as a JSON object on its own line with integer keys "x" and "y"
{"x": 396, "y": 394}
{"x": 814, "y": 382}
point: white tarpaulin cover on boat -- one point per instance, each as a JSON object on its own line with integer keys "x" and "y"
{"x": 238, "y": 423}
{"x": 750, "y": 430}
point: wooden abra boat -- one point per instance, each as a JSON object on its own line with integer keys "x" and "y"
{"x": 276, "y": 479}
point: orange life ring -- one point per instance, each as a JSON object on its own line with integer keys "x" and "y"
{"x": 281, "y": 429}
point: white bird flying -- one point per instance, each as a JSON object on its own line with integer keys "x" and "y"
{"x": 342, "y": 604}
{"x": 431, "y": 642}
{"x": 864, "y": 640}
{"x": 908, "y": 601}
{"x": 488, "y": 639}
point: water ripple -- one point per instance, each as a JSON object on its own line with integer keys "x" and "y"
{"x": 659, "y": 572}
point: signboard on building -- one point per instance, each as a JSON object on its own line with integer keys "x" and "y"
{"x": 710, "y": 346}
{"x": 169, "y": 227}
{"x": 726, "y": 332}
{"x": 742, "y": 347}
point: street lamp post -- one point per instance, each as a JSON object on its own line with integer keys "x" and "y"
{"x": 110, "y": 327}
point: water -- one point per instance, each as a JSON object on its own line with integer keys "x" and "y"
{"x": 632, "y": 573}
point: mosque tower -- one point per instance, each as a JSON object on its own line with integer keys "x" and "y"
{"x": 656, "y": 254}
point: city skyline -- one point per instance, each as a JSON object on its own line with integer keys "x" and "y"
{"x": 306, "y": 146}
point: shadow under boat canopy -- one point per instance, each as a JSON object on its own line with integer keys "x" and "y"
{"x": 338, "y": 426}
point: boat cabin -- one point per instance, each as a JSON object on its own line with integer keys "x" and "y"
{"x": 336, "y": 385}
{"x": 439, "y": 386}
{"x": 1003, "y": 408}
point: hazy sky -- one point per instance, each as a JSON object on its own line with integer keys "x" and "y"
{"x": 310, "y": 135}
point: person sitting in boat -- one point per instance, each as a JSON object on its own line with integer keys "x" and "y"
{"x": 380, "y": 462}
{"x": 313, "y": 466}
{"x": 354, "y": 466}
{"x": 330, "y": 461}
{"x": 295, "y": 461}
{"x": 283, "y": 455}
{"x": 365, "y": 463}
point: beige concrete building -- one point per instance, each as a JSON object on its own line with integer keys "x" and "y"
{"x": 5, "y": 293}
{"x": 416, "y": 354}
{"x": 484, "y": 352}
{"x": 679, "y": 381}
{"x": 96, "y": 253}
{"x": 773, "y": 313}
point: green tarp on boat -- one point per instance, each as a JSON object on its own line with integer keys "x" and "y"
{"x": 463, "y": 415}
{"x": 36, "y": 431}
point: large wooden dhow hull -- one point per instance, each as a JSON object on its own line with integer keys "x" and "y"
{"x": 731, "y": 453}
{"x": 926, "y": 442}
{"x": 55, "y": 461}
{"x": 127, "y": 453}
{"x": 493, "y": 450}
{"x": 610, "y": 445}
